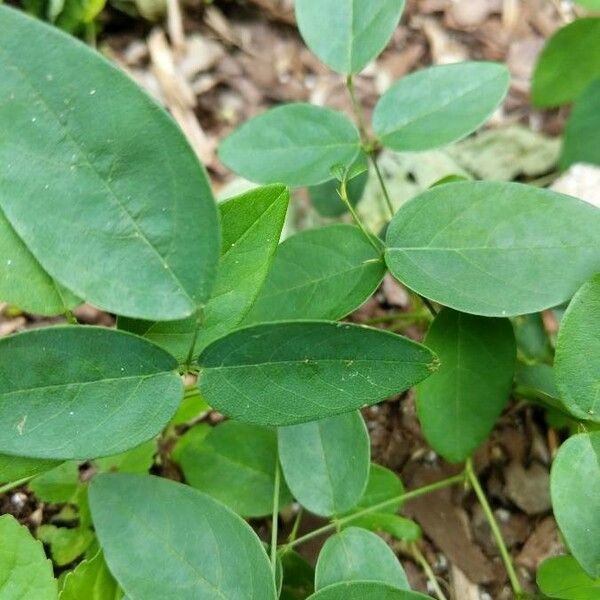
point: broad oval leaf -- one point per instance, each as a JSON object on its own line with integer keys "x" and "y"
{"x": 575, "y": 488}
{"x": 568, "y": 63}
{"x": 235, "y": 464}
{"x": 562, "y": 577}
{"x": 295, "y": 144}
{"x": 166, "y": 540}
{"x": 323, "y": 273}
{"x": 348, "y": 34}
{"x": 358, "y": 555}
{"x": 400, "y": 528}
{"x": 383, "y": 485}
{"x": 25, "y": 572}
{"x": 91, "y": 580}
{"x": 582, "y": 133}
{"x": 23, "y": 281}
{"x": 439, "y": 105}
{"x": 115, "y": 184}
{"x": 82, "y": 392}
{"x": 365, "y": 590}
{"x": 326, "y": 463}
{"x": 289, "y": 373}
{"x": 494, "y": 249}
{"x": 579, "y": 342}
{"x": 459, "y": 404}
{"x": 251, "y": 225}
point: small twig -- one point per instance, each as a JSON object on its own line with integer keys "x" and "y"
{"x": 418, "y": 556}
{"x": 487, "y": 509}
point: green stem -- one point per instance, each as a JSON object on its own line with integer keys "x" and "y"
{"x": 429, "y": 306}
{"x": 358, "y": 111}
{"x": 512, "y": 576}
{"x": 199, "y": 321}
{"x": 418, "y": 556}
{"x": 417, "y": 315}
{"x": 296, "y": 525}
{"x": 275, "y": 519}
{"x": 343, "y": 193}
{"x": 14, "y": 484}
{"x": 377, "y": 507}
{"x": 386, "y": 195}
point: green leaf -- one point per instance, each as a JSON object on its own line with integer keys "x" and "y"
{"x": 23, "y": 281}
{"x": 459, "y": 404}
{"x": 326, "y": 463}
{"x": 115, "y": 183}
{"x": 439, "y": 105}
{"x": 66, "y": 544}
{"x": 494, "y": 249}
{"x": 251, "y": 226}
{"x": 235, "y": 464}
{"x": 577, "y": 363}
{"x": 191, "y": 407}
{"x": 289, "y": 373}
{"x": 401, "y": 528}
{"x": 25, "y": 572}
{"x": 81, "y": 392}
{"x": 77, "y": 14}
{"x": 591, "y": 4}
{"x": 358, "y": 555}
{"x": 562, "y": 577}
{"x": 536, "y": 383}
{"x": 582, "y": 133}
{"x": 575, "y": 488}
{"x": 323, "y": 273}
{"x": 165, "y": 540}
{"x": 136, "y": 460}
{"x": 365, "y": 590}
{"x": 13, "y": 468}
{"x": 298, "y": 577}
{"x": 91, "y": 580}
{"x": 532, "y": 339}
{"x": 569, "y": 61}
{"x": 347, "y": 34}
{"x": 295, "y": 144}
{"x": 57, "y": 485}
{"x": 382, "y": 485}
{"x": 325, "y": 197}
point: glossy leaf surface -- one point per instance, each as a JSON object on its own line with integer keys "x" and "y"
{"x": 162, "y": 540}
{"x": 582, "y": 133}
{"x": 568, "y": 63}
{"x": 326, "y": 463}
{"x": 562, "y": 577}
{"x": 294, "y": 144}
{"x": 358, "y": 555}
{"x": 81, "y": 392}
{"x": 251, "y": 226}
{"x": 289, "y": 373}
{"x": 25, "y": 572}
{"x": 439, "y": 105}
{"x": 459, "y": 404}
{"x": 575, "y": 487}
{"x": 577, "y": 363}
{"x": 323, "y": 273}
{"x": 235, "y": 464}
{"x": 365, "y": 590}
{"x": 115, "y": 183}
{"x": 346, "y": 35}
{"x": 494, "y": 249}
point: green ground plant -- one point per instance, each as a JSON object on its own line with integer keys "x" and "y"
{"x": 103, "y": 201}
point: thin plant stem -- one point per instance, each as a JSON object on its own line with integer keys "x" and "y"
{"x": 358, "y": 111}
{"x": 418, "y": 556}
{"x": 275, "y": 518}
{"x": 14, "y": 484}
{"x": 296, "y": 525}
{"x": 429, "y": 306}
{"x": 386, "y": 195}
{"x": 377, "y": 507}
{"x": 489, "y": 515}
{"x": 343, "y": 193}
{"x": 417, "y": 315}
{"x": 199, "y": 321}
